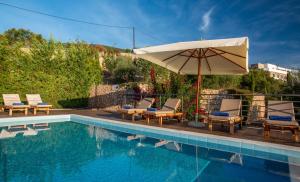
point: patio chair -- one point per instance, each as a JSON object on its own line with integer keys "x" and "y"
{"x": 281, "y": 116}
{"x": 229, "y": 114}
{"x": 35, "y": 102}
{"x": 169, "y": 110}
{"x": 12, "y": 102}
{"x": 139, "y": 109}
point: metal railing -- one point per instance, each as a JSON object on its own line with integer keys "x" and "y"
{"x": 212, "y": 102}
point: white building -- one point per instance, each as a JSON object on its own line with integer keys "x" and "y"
{"x": 275, "y": 71}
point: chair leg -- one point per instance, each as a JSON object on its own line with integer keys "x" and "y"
{"x": 241, "y": 125}
{"x": 160, "y": 121}
{"x": 34, "y": 111}
{"x": 10, "y": 112}
{"x": 231, "y": 128}
{"x": 123, "y": 116}
{"x": 26, "y": 111}
{"x": 179, "y": 119}
{"x": 210, "y": 125}
{"x": 148, "y": 119}
{"x": 295, "y": 135}
{"x": 267, "y": 131}
{"x": 132, "y": 117}
{"x": 48, "y": 111}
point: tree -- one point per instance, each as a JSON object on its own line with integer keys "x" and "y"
{"x": 125, "y": 74}
{"x": 220, "y": 82}
{"x": 293, "y": 83}
{"x": 258, "y": 80}
{"x": 125, "y": 70}
{"x": 25, "y": 37}
{"x": 144, "y": 67}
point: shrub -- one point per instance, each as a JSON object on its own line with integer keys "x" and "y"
{"x": 61, "y": 73}
{"x": 124, "y": 74}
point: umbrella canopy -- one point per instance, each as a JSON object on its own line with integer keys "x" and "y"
{"x": 205, "y": 57}
{"x": 217, "y": 57}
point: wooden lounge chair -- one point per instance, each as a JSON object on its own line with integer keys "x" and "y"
{"x": 12, "y": 102}
{"x": 168, "y": 111}
{"x": 278, "y": 109}
{"x": 139, "y": 109}
{"x": 231, "y": 107}
{"x": 35, "y": 102}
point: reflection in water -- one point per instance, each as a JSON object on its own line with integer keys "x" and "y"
{"x": 10, "y": 132}
{"x": 75, "y": 152}
{"x": 6, "y": 134}
{"x": 101, "y": 134}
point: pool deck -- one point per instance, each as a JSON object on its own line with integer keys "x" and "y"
{"x": 251, "y": 133}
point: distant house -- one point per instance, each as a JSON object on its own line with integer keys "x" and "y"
{"x": 276, "y": 72}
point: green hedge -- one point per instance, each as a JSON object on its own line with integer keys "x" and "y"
{"x": 62, "y": 73}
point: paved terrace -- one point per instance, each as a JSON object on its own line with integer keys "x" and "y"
{"x": 252, "y": 133}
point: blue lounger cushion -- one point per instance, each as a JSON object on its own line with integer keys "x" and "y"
{"x": 280, "y": 118}
{"x": 218, "y": 113}
{"x": 42, "y": 103}
{"x": 18, "y": 104}
{"x": 127, "y": 107}
{"x": 151, "y": 109}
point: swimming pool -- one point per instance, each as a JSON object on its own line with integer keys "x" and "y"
{"x": 89, "y": 149}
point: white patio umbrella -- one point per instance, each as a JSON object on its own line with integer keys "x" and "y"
{"x": 205, "y": 57}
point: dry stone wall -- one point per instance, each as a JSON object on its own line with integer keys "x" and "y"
{"x": 257, "y": 110}
{"x": 211, "y": 99}
{"x": 108, "y": 97}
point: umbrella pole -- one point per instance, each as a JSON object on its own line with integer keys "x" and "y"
{"x": 198, "y": 91}
{"x": 196, "y": 123}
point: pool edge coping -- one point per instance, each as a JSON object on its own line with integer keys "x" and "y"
{"x": 155, "y": 128}
{"x": 211, "y": 136}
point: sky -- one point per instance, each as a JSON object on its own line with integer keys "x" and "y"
{"x": 273, "y": 26}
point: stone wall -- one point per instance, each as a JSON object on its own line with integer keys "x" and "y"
{"x": 108, "y": 97}
{"x": 111, "y": 97}
{"x": 257, "y": 110}
{"x": 211, "y": 99}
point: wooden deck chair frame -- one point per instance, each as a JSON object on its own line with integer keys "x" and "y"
{"x": 233, "y": 107}
{"x": 9, "y": 100}
{"x": 138, "y": 110}
{"x": 281, "y": 108}
{"x": 33, "y": 100}
{"x": 169, "y": 110}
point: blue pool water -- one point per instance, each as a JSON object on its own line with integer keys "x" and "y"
{"x": 75, "y": 152}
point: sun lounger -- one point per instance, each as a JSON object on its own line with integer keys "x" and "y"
{"x": 139, "y": 109}
{"x": 169, "y": 110}
{"x": 229, "y": 114}
{"x": 35, "y": 102}
{"x": 12, "y": 102}
{"x": 281, "y": 116}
